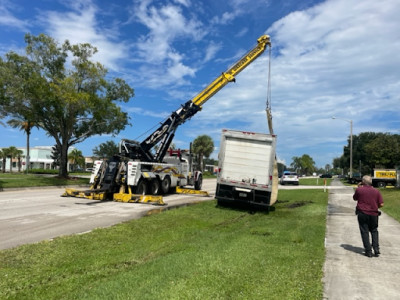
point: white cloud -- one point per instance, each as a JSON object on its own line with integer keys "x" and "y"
{"x": 80, "y": 25}
{"x": 7, "y": 19}
{"x": 144, "y": 112}
{"x": 225, "y": 19}
{"x": 183, "y": 2}
{"x": 166, "y": 25}
{"x": 328, "y": 60}
{"x": 211, "y": 51}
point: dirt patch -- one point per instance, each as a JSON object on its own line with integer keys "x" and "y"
{"x": 298, "y": 204}
{"x": 260, "y": 233}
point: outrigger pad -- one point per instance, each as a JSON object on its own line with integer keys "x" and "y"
{"x": 180, "y": 190}
{"x": 137, "y": 198}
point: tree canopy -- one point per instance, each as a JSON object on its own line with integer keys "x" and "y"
{"x": 371, "y": 150}
{"x": 77, "y": 159}
{"x": 106, "y": 150}
{"x": 70, "y": 104}
{"x": 304, "y": 164}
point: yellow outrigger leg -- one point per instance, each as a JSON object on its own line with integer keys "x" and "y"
{"x": 137, "y": 198}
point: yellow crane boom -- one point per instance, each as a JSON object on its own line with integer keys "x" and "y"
{"x": 229, "y": 75}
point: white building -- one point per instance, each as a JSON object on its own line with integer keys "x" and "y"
{"x": 40, "y": 158}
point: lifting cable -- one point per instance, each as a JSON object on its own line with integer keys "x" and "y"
{"x": 268, "y": 103}
{"x": 274, "y": 187}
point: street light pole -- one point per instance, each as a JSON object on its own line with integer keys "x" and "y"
{"x": 351, "y": 143}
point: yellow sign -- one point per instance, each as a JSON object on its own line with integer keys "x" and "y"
{"x": 385, "y": 174}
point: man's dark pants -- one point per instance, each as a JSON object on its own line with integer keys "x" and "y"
{"x": 369, "y": 224}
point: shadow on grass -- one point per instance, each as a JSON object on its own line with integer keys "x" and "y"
{"x": 245, "y": 207}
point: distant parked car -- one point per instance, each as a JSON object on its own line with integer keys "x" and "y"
{"x": 289, "y": 178}
{"x": 325, "y": 176}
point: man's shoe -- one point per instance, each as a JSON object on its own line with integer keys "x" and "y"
{"x": 369, "y": 254}
{"x": 377, "y": 253}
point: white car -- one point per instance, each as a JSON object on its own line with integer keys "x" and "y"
{"x": 289, "y": 178}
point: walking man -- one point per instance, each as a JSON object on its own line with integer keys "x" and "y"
{"x": 368, "y": 200}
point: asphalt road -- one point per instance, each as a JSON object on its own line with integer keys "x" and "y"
{"x": 32, "y": 215}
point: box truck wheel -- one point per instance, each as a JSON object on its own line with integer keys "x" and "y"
{"x": 165, "y": 184}
{"x": 381, "y": 184}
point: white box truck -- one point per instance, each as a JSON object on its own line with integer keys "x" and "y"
{"x": 245, "y": 168}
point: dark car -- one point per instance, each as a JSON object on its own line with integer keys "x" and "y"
{"x": 325, "y": 176}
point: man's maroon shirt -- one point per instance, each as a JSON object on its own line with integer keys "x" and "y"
{"x": 368, "y": 199}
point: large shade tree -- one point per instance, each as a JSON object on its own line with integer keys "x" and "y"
{"x": 62, "y": 91}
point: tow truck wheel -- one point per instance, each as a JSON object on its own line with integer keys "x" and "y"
{"x": 165, "y": 184}
{"x": 198, "y": 183}
{"x": 155, "y": 187}
{"x": 141, "y": 187}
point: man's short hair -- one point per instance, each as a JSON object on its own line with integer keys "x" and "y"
{"x": 367, "y": 180}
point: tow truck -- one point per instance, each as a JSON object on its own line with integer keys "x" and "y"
{"x": 143, "y": 171}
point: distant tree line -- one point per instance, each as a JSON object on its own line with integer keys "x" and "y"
{"x": 370, "y": 150}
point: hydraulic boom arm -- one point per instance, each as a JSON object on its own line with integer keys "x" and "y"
{"x": 165, "y": 133}
{"x": 229, "y": 75}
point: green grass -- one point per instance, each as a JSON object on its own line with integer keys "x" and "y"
{"x": 16, "y": 180}
{"x": 314, "y": 181}
{"x": 195, "y": 252}
{"x": 391, "y": 199}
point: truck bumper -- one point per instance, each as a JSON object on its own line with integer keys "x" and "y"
{"x": 232, "y": 195}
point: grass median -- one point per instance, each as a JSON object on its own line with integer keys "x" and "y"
{"x": 196, "y": 252}
{"x": 18, "y": 180}
{"x": 315, "y": 181}
{"x": 391, "y": 199}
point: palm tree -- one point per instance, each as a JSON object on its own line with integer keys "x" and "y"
{"x": 12, "y": 152}
{"x": 3, "y": 156}
{"x": 203, "y": 145}
{"x": 19, "y": 155}
{"x": 26, "y": 126}
{"x": 76, "y": 157}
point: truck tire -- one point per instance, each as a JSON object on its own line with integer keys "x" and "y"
{"x": 141, "y": 188}
{"x": 165, "y": 184}
{"x": 155, "y": 187}
{"x": 381, "y": 184}
{"x": 198, "y": 183}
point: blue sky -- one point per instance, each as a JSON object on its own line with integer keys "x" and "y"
{"x": 329, "y": 58}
